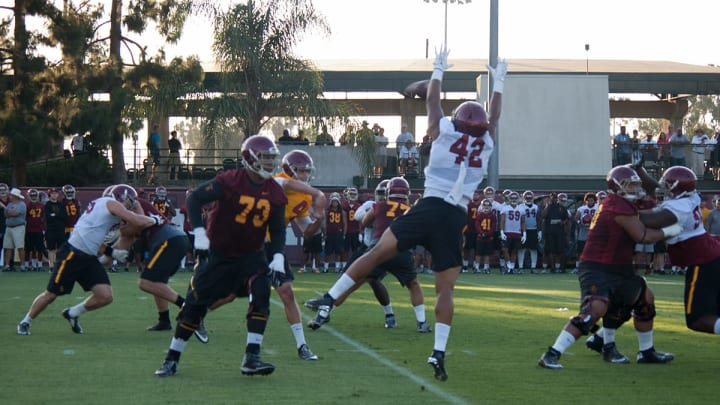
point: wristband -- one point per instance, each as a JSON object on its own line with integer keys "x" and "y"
{"x": 498, "y": 86}
{"x": 437, "y": 74}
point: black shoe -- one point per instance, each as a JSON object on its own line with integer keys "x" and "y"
{"x": 201, "y": 333}
{"x": 23, "y": 329}
{"x": 305, "y": 353}
{"x": 423, "y": 327}
{"x": 437, "y": 362}
{"x": 390, "y": 322}
{"x": 252, "y": 365}
{"x": 611, "y": 354}
{"x": 161, "y": 325}
{"x": 325, "y": 305}
{"x": 73, "y": 320}
{"x": 168, "y": 369}
{"x": 313, "y": 304}
{"x": 651, "y": 356}
{"x": 550, "y": 359}
{"x": 595, "y": 343}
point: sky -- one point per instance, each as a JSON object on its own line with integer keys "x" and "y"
{"x": 678, "y": 31}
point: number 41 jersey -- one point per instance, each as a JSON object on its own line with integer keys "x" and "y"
{"x": 449, "y": 150}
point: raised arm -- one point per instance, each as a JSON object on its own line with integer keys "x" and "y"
{"x": 432, "y": 102}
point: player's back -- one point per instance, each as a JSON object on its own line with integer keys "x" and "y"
{"x": 607, "y": 242}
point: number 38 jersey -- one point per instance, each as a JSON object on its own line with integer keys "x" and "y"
{"x": 449, "y": 150}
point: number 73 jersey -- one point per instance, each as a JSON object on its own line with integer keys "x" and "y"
{"x": 449, "y": 150}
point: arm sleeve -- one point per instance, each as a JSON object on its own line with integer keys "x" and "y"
{"x": 276, "y": 228}
{"x": 205, "y": 193}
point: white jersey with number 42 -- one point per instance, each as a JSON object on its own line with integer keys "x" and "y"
{"x": 449, "y": 150}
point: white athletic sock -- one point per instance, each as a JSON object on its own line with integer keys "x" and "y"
{"x": 178, "y": 344}
{"x": 77, "y": 310}
{"x": 564, "y": 340}
{"x": 255, "y": 338}
{"x": 442, "y": 333}
{"x": 533, "y": 258}
{"x": 419, "y": 312}
{"x": 298, "y": 334}
{"x": 609, "y": 335}
{"x": 27, "y": 319}
{"x": 645, "y": 340}
{"x": 717, "y": 327}
{"x": 343, "y": 284}
{"x": 601, "y": 332}
{"x": 388, "y": 309}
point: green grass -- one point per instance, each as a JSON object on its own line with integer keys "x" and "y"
{"x": 502, "y": 325}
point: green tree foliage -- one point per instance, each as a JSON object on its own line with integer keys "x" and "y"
{"x": 703, "y": 113}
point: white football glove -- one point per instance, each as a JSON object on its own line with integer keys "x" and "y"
{"x": 104, "y": 260}
{"x": 120, "y": 255}
{"x": 672, "y": 230}
{"x": 157, "y": 218}
{"x": 441, "y": 64}
{"x": 278, "y": 263}
{"x": 201, "y": 240}
{"x": 503, "y": 236}
{"x": 524, "y": 238}
{"x": 539, "y": 236}
{"x": 498, "y": 74}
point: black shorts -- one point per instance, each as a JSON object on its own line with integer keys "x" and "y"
{"x": 313, "y": 245}
{"x": 579, "y": 246}
{"x": 34, "y": 242}
{"x": 511, "y": 244}
{"x": 73, "y": 266}
{"x": 139, "y": 249}
{"x": 555, "y": 244}
{"x": 531, "y": 239}
{"x": 165, "y": 260}
{"x": 191, "y": 241}
{"x": 438, "y": 226}
{"x": 661, "y": 247}
{"x": 352, "y": 242}
{"x": 219, "y": 276}
{"x": 619, "y": 284}
{"x": 53, "y": 240}
{"x": 484, "y": 247}
{"x": 702, "y": 289}
{"x": 334, "y": 244}
{"x": 470, "y": 238}
{"x": 401, "y": 266}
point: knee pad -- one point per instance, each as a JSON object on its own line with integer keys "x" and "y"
{"x": 644, "y": 312}
{"x": 260, "y": 293}
{"x": 585, "y": 320}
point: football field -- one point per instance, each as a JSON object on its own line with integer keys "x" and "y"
{"x": 502, "y": 325}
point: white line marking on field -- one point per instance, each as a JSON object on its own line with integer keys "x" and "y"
{"x": 387, "y": 363}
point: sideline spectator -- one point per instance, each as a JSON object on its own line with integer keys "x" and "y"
{"x": 324, "y": 138}
{"x": 174, "y": 157}
{"x": 677, "y": 148}
{"x": 348, "y": 138}
{"x": 700, "y": 142}
{"x": 15, "y": 212}
{"x": 153, "y": 145}
{"x": 381, "y": 142}
{"x": 301, "y": 139}
{"x": 622, "y": 142}
{"x": 286, "y": 138}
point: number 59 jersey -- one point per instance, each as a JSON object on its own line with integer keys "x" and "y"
{"x": 449, "y": 150}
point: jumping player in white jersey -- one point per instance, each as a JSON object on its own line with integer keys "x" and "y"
{"x": 458, "y": 162}
{"x": 77, "y": 260}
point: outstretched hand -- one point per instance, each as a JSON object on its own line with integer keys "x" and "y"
{"x": 441, "y": 57}
{"x": 499, "y": 71}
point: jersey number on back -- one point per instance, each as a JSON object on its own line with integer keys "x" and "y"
{"x": 460, "y": 149}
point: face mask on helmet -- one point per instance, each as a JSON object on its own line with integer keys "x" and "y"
{"x": 528, "y": 197}
{"x": 259, "y": 155}
{"x": 124, "y": 194}
{"x": 489, "y": 193}
{"x": 351, "y": 194}
{"x": 678, "y": 181}
{"x": 624, "y": 182}
{"x": 514, "y": 198}
{"x": 69, "y": 191}
{"x": 298, "y": 164}
{"x": 380, "y": 190}
{"x": 33, "y": 195}
{"x": 335, "y": 197}
{"x": 161, "y": 193}
{"x": 486, "y": 206}
{"x": 398, "y": 187}
{"x": 4, "y": 190}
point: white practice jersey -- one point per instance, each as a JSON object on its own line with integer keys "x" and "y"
{"x": 531, "y": 214}
{"x": 368, "y": 230}
{"x": 513, "y": 220}
{"x": 93, "y": 225}
{"x": 687, "y": 211}
{"x": 453, "y": 152}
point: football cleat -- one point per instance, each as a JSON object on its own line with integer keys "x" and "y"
{"x": 168, "y": 369}
{"x": 611, "y": 354}
{"x": 201, "y": 333}
{"x": 651, "y": 356}
{"x": 252, "y": 365}
{"x": 390, "y": 322}
{"x": 73, "y": 320}
{"x": 325, "y": 305}
{"x": 437, "y": 362}
{"x": 550, "y": 359}
{"x": 23, "y": 329}
{"x": 305, "y": 353}
{"x": 595, "y": 343}
{"x": 423, "y": 327}
{"x": 313, "y": 304}
{"x": 161, "y": 325}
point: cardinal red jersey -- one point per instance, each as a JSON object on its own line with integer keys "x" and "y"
{"x": 607, "y": 242}
{"x": 149, "y": 209}
{"x": 237, "y": 222}
{"x": 333, "y": 219}
{"x": 353, "y": 225}
{"x": 486, "y": 224}
{"x": 73, "y": 211}
{"x": 385, "y": 213}
{"x": 35, "y": 219}
{"x": 473, "y": 208}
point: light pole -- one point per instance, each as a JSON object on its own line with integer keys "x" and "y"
{"x": 446, "y": 13}
{"x": 587, "y": 58}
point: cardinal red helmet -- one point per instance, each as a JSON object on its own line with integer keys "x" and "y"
{"x": 470, "y": 118}
{"x": 68, "y": 191}
{"x": 528, "y": 197}
{"x": 486, "y": 205}
{"x": 678, "y": 181}
{"x": 298, "y": 164}
{"x": 514, "y": 198}
{"x": 124, "y": 194}
{"x": 601, "y": 195}
{"x": 351, "y": 194}
{"x": 398, "y": 187}
{"x": 259, "y": 155}
{"x": 489, "y": 192}
{"x": 562, "y": 197}
{"x": 161, "y": 193}
{"x": 380, "y": 190}
{"x": 625, "y": 182}
{"x": 335, "y": 197}
{"x": 33, "y": 195}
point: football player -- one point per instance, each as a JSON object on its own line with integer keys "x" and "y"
{"x": 78, "y": 257}
{"x": 73, "y": 208}
{"x": 462, "y": 146}
{"x": 512, "y": 230}
{"x": 485, "y": 228}
{"x": 469, "y": 231}
{"x": 583, "y": 218}
{"x": 609, "y": 287}
{"x": 352, "y": 236}
{"x": 335, "y": 228}
{"x": 248, "y": 205}
{"x": 534, "y": 236}
{"x": 34, "y": 231}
